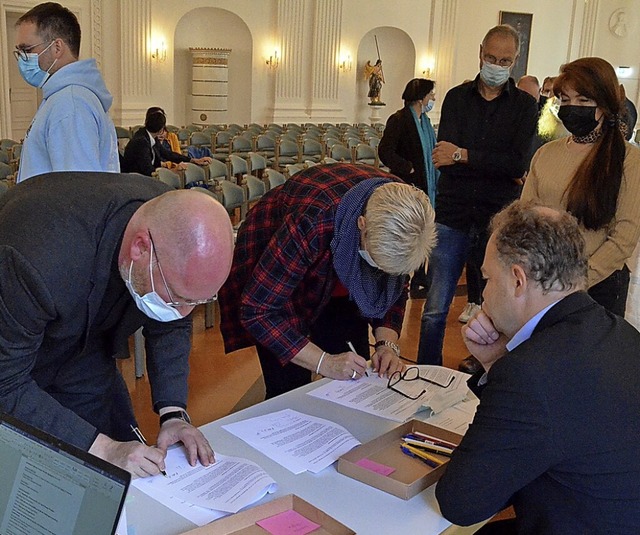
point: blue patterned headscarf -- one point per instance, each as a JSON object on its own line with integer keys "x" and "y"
{"x": 373, "y": 290}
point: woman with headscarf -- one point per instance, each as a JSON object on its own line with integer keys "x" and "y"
{"x": 318, "y": 260}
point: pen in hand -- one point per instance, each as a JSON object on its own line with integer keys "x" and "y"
{"x": 143, "y": 440}
{"x": 353, "y": 349}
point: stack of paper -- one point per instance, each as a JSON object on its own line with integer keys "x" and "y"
{"x": 202, "y": 494}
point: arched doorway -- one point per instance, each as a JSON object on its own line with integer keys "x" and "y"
{"x": 210, "y": 27}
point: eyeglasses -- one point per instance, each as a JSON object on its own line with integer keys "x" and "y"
{"x": 21, "y": 53}
{"x": 413, "y": 374}
{"x": 503, "y": 62}
{"x": 173, "y": 302}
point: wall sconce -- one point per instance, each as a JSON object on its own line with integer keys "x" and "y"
{"x": 159, "y": 54}
{"x": 273, "y": 60}
{"x": 426, "y": 73}
{"x": 345, "y": 65}
{"x": 624, "y": 71}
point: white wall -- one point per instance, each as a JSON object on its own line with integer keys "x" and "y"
{"x": 410, "y": 32}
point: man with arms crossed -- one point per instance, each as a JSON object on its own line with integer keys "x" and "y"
{"x": 483, "y": 150}
{"x": 556, "y": 432}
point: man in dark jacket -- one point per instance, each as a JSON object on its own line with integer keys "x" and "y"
{"x": 85, "y": 260}
{"x": 556, "y": 432}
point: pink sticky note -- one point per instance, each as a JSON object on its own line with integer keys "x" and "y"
{"x": 373, "y": 466}
{"x": 288, "y": 523}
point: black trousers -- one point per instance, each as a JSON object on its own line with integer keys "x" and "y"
{"x": 340, "y": 322}
{"x": 612, "y": 292}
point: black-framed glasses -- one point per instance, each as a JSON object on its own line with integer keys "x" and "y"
{"x": 173, "y": 302}
{"x": 412, "y": 373}
{"x": 21, "y": 53}
{"x": 503, "y": 62}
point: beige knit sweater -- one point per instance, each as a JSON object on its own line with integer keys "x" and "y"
{"x": 553, "y": 166}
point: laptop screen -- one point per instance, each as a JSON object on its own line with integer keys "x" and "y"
{"x": 50, "y": 487}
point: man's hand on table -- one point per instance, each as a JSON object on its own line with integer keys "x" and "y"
{"x": 196, "y": 445}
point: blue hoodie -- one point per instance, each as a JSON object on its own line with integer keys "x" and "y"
{"x": 71, "y": 130}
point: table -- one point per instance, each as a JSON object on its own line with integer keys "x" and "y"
{"x": 366, "y": 510}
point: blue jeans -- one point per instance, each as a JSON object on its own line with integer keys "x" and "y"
{"x": 448, "y": 258}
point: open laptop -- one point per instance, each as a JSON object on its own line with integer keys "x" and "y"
{"x": 50, "y": 487}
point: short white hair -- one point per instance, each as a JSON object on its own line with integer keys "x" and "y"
{"x": 400, "y": 228}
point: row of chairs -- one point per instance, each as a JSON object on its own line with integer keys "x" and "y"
{"x": 10, "y": 152}
{"x": 237, "y": 183}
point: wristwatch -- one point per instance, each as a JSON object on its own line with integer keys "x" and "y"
{"x": 175, "y": 415}
{"x": 457, "y": 155}
{"x": 390, "y": 344}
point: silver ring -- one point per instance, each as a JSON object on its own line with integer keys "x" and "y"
{"x": 353, "y": 375}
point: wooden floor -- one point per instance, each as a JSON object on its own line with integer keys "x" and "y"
{"x": 220, "y": 384}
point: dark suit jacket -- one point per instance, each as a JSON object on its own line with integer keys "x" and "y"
{"x": 400, "y": 149}
{"x": 64, "y": 309}
{"x": 140, "y": 157}
{"x": 557, "y": 431}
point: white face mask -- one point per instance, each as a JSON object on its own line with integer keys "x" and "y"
{"x": 494, "y": 75}
{"x": 151, "y": 304}
{"x": 367, "y": 258}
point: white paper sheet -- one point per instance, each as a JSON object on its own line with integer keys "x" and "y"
{"x": 295, "y": 440}
{"x": 203, "y": 494}
{"x": 371, "y": 395}
{"x": 456, "y": 418}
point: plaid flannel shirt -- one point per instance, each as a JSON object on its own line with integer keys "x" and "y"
{"x": 282, "y": 274}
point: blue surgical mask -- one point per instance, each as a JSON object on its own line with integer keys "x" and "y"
{"x": 367, "y": 258}
{"x": 31, "y": 71}
{"x": 151, "y": 304}
{"x": 428, "y": 107}
{"x": 494, "y": 75}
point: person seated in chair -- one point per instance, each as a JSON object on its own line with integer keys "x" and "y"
{"x": 556, "y": 431}
{"x": 144, "y": 153}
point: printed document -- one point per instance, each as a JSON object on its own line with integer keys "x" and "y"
{"x": 371, "y": 394}
{"x": 226, "y": 486}
{"x": 295, "y": 440}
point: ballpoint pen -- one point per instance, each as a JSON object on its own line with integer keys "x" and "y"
{"x": 423, "y": 455}
{"x": 143, "y": 440}
{"x": 353, "y": 349}
{"x": 415, "y": 456}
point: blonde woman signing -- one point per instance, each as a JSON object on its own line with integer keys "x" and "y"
{"x": 594, "y": 174}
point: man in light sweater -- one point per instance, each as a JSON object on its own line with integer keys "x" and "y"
{"x": 71, "y": 130}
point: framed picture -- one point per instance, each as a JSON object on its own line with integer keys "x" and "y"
{"x": 521, "y": 22}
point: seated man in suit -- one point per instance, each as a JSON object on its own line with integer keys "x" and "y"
{"x": 144, "y": 153}
{"x": 556, "y": 432}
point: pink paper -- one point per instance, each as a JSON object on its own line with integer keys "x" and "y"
{"x": 373, "y": 466}
{"x": 288, "y": 523}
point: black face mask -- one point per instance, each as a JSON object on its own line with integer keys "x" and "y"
{"x": 579, "y": 120}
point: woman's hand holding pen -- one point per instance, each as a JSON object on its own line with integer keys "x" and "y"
{"x": 137, "y": 458}
{"x": 344, "y": 366}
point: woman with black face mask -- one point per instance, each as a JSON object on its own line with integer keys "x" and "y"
{"x": 593, "y": 174}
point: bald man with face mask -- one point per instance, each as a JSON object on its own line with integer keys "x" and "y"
{"x": 99, "y": 256}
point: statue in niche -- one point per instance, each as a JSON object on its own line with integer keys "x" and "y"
{"x": 618, "y": 23}
{"x": 375, "y": 75}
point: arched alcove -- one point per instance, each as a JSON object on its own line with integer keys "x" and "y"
{"x": 209, "y": 27}
{"x": 398, "y": 54}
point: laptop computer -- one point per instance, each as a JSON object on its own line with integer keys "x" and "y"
{"x": 50, "y": 487}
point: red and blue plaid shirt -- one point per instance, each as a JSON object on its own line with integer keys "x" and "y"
{"x": 282, "y": 274}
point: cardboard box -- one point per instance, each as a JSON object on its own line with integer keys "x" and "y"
{"x": 411, "y": 476}
{"x": 244, "y": 522}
